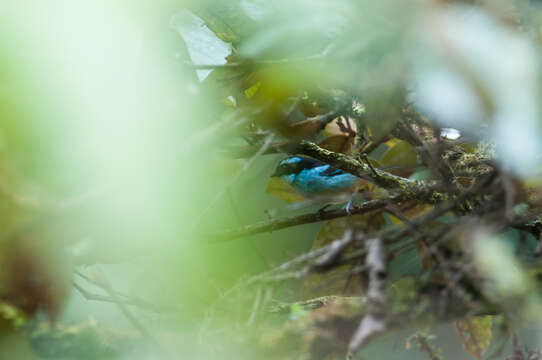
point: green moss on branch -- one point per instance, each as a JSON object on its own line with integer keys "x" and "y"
{"x": 411, "y": 189}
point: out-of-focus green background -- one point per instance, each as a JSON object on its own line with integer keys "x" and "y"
{"x": 99, "y": 115}
{"x": 101, "y": 120}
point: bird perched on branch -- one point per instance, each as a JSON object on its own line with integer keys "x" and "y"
{"x": 316, "y": 180}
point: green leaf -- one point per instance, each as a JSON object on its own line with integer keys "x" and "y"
{"x": 12, "y": 314}
{"x": 227, "y": 20}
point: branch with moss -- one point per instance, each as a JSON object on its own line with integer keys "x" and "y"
{"x": 406, "y": 190}
{"x": 424, "y": 191}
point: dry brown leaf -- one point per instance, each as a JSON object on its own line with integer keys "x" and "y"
{"x": 341, "y": 126}
{"x": 338, "y": 143}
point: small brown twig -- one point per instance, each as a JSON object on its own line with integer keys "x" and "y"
{"x": 366, "y": 158}
{"x": 425, "y": 346}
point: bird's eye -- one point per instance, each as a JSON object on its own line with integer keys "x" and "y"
{"x": 282, "y": 169}
{"x": 290, "y": 160}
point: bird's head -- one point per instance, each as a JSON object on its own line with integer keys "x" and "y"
{"x": 294, "y": 164}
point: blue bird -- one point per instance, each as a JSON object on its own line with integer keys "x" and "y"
{"x": 314, "y": 179}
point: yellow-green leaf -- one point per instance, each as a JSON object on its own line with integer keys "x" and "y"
{"x": 404, "y": 293}
{"x": 252, "y": 90}
{"x": 12, "y": 314}
{"x": 218, "y": 26}
{"x": 281, "y": 189}
{"x": 400, "y": 157}
{"x": 338, "y": 143}
{"x": 475, "y": 334}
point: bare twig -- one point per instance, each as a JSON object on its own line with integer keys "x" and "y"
{"x": 130, "y": 300}
{"x": 89, "y": 296}
{"x": 335, "y": 250}
{"x": 124, "y": 309}
{"x": 122, "y": 304}
{"x": 375, "y": 320}
{"x": 255, "y": 307}
{"x": 425, "y": 346}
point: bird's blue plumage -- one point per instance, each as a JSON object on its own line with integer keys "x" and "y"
{"x": 289, "y": 178}
{"x": 313, "y": 178}
{"x": 313, "y": 181}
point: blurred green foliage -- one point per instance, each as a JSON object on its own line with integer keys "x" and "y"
{"x": 117, "y": 157}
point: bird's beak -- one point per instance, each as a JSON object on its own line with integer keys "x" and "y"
{"x": 279, "y": 171}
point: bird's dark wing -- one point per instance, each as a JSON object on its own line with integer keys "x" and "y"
{"x": 296, "y": 164}
{"x": 331, "y": 171}
{"x": 307, "y": 163}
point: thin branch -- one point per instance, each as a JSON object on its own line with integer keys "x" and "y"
{"x": 90, "y": 296}
{"x": 114, "y": 296}
{"x": 372, "y": 145}
{"x": 130, "y": 300}
{"x": 425, "y": 346}
{"x": 273, "y": 225}
{"x": 335, "y": 250}
{"x": 255, "y": 307}
{"x": 366, "y": 158}
{"x": 124, "y": 309}
{"x": 280, "y": 271}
